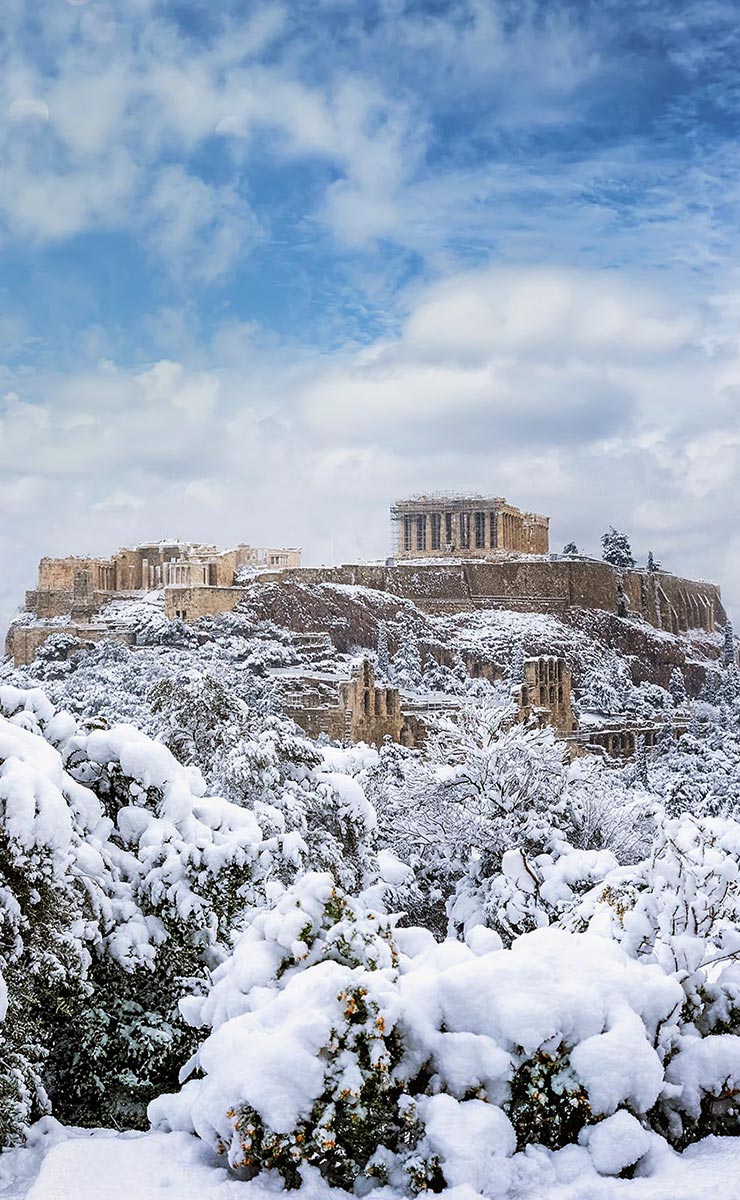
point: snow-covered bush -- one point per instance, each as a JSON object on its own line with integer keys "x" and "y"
{"x": 680, "y": 908}
{"x": 339, "y": 1045}
{"x": 58, "y": 897}
{"x": 299, "y": 1067}
{"x": 122, "y": 882}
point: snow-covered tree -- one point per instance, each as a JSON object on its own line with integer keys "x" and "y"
{"x": 677, "y": 687}
{"x": 383, "y": 655}
{"x": 570, "y": 548}
{"x": 680, "y": 909}
{"x": 729, "y": 654}
{"x": 407, "y": 665}
{"x": 652, "y": 562}
{"x": 262, "y": 762}
{"x": 515, "y": 671}
{"x": 641, "y": 761}
{"x": 616, "y": 548}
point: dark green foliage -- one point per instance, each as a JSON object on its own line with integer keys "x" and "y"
{"x": 347, "y": 1124}
{"x": 548, "y": 1104}
{"x": 120, "y": 1046}
{"x": 652, "y": 562}
{"x": 616, "y": 548}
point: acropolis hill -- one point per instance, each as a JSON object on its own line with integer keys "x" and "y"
{"x": 453, "y": 553}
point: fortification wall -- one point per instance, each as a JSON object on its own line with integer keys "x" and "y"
{"x": 190, "y": 603}
{"x": 49, "y": 604}
{"x": 665, "y": 601}
{"x": 58, "y": 574}
{"x": 25, "y": 640}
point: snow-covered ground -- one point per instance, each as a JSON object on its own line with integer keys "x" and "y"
{"x": 63, "y": 1164}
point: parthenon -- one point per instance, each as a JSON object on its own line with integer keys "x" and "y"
{"x": 442, "y": 525}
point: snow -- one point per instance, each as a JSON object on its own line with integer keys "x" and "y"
{"x": 616, "y": 1143}
{"x": 550, "y": 988}
{"x": 213, "y": 860}
{"x": 134, "y": 1167}
{"x": 472, "y": 1139}
{"x": 620, "y": 1065}
{"x": 78, "y": 1165}
{"x": 704, "y": 1065}
{"x": 391, "y": 869}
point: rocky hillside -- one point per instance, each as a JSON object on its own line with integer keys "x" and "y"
{"x": 618, "y": 664}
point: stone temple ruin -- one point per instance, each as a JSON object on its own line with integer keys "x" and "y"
{"x": 545, "y": 694}
{"x": 79, "y": 587}
{"x": 444, "y": 526}
{"x": 359, "y": 709}
{"x": 82, "y": 585}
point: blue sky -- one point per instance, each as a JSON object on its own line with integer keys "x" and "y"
{"x": 265, "y": 266}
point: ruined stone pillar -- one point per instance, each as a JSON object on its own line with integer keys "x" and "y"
{"x": 448, "y": 530}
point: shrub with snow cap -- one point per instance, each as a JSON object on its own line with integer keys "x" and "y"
{"x": 299, "y": 1066}
{"x": 680, "y": 908}
{"x": 560, "y": 1030}
{"x": 327, "y": 1049}
{"x": 122, "y": 881}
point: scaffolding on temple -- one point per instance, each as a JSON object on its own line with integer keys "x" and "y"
{"x": 440, "y": 524}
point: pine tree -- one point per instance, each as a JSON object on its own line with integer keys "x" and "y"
{"x": 383, "y": 658}
{"x": 652, "y": 562}
{"x": 665, "y": 736}
{"x": 570, "y": 548}
{"x": 641, "y": 763}
{"x": 677, "y": 686}
{"x": 729, "y": 687}
{"x": 516, "y": 666}
{"x": 616, "y": 548}
{"x": 695, "y": 728}
{"x": 407, "y": 664}
{"x": 728, "y": 646}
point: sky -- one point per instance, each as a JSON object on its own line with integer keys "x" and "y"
{"x": 265, "y": 267}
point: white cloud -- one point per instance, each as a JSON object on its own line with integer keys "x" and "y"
{"x": 29, "y": 108}
{"x": 211, "y": 492}
{"x": 201, "y": 228}
{"x": 128, "y": 106}
{"x": 118, "y": 502}
{"x": 556, "y": 312}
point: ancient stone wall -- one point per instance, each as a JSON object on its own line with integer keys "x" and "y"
{"x": 665, "y": 601}
{"x": 546, "y": 693}
{"x": 371, "y": 712}
{"x": 267, "y": 556}
{"x": 25, "y": 640}
{"x": 49, "y": 604}
{"x": 190, "y": 603}
{"x": 57, "y": 574}
{"x": 360, "y": 710}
